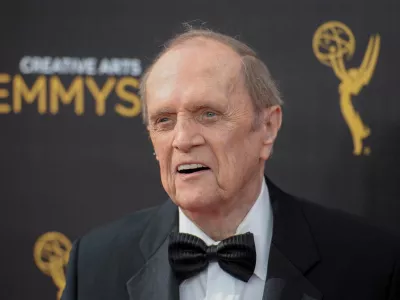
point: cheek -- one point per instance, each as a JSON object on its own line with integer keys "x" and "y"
{"x": 167, "y": 178}
{"x": 228, "y": 154}
{"x": 161, "y": 144}
{"x": 236, "y": 153}
{"x": 163, "y": 152}
{"x": 164, "y": 160}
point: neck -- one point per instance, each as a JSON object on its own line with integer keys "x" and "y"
{"x": 222, "y": 222}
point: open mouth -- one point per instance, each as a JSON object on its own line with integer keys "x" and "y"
{"x": 192, "y": 168}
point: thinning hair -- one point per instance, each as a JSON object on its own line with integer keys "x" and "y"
{"x": 258, "y": 81}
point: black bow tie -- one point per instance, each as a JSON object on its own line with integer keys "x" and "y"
{"x": 189, "y": 255}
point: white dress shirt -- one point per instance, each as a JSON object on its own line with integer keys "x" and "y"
{"x": 215, "y": 284}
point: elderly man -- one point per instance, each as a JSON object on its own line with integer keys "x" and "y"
{"x": 227, "y": 232}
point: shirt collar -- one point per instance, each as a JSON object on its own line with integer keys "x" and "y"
{"x": 258, "y": 221}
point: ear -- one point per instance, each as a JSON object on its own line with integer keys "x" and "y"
{"x": 272, "y": 121}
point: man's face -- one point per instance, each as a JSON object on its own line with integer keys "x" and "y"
{"x": 200, "y": 124}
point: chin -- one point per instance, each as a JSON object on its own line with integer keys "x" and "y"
{"x": 192, "y": 202}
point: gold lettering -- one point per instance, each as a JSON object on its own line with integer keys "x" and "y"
{"x": 100, "y": 95}
{"x": 4, "y": 107}
{"x": 75, "y": 90}
{"x": 21, "y": 91}
{"x": 128, "y": 96}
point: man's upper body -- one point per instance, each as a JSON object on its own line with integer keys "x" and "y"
{"x": 315, "y": 253}
{"x": 213, "y": 113}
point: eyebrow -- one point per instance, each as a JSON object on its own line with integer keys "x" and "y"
{"x": 197, "y": 107}
{"x": 217, "y": 103}
{"x": 204, "y": 104}
{"x": 160, "y": 112}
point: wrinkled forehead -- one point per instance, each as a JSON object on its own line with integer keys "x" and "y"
{"x": 194, "y": 61}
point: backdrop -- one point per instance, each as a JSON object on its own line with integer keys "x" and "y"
{"x": 74, "y": 153}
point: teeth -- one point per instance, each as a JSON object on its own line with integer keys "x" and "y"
{"x": 190, "y": 166}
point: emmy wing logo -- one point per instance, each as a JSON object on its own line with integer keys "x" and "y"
{"x": 51, "y": 254}
{"x": 334, "y": 42}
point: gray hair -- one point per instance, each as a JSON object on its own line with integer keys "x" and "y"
{"x": 258, "y": 81}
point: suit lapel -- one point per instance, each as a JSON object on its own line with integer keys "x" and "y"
{"x": 293, "y": 251}
{"x": 155, "y": 280}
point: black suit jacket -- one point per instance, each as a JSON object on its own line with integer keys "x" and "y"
{"x": 316, "y": 253}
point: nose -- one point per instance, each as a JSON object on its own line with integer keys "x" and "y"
{"x": 187, "y": 134}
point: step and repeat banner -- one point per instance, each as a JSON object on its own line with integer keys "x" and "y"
{"x": 73, "y": 151}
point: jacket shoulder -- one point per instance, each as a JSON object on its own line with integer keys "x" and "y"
{"x": 112, "y": 249}
{"x": 115, "y": 233}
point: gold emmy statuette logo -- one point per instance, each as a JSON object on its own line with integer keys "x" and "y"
{"x": 51, "y": 254}
{"x": 332, "y": 43}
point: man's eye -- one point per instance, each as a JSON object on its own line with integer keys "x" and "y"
{"x": 163, "y": 120}
{"x": 210, "y": 114}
